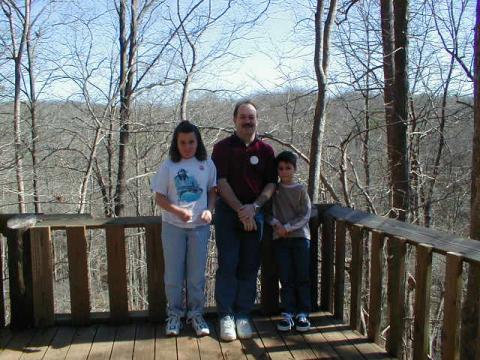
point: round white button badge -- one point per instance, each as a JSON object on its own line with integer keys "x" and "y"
{"x": 254, "y": 160}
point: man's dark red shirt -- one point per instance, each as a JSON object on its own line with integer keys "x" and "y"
{"x": 246, "y": 168}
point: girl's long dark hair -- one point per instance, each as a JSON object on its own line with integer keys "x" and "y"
{"x": 187, "y": 127}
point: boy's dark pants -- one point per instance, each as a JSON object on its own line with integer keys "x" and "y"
{"x": 293, "y": 260}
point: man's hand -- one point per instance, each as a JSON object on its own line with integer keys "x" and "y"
{"x": 246, "y": 212}
{"x": 280, "y": 230}
{"x": 249, "y": 224}
{"x": 206, "y": 216}
{"x": 184, "y": 214}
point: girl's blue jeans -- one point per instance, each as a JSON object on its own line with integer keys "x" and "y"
{"x": 185, "y": 256}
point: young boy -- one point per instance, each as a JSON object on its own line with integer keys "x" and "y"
{"x": 289, "y": 217}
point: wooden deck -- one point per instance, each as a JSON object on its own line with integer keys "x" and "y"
{"x": 328, "y": 339}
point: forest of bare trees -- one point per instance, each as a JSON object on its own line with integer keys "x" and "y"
{"x": 376, "y": 97}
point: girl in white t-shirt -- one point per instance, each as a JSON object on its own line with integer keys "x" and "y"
{"x": 184, "y": 187}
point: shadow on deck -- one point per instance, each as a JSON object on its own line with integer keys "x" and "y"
{"x": 328, "y": 339}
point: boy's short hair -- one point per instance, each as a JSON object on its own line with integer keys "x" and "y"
{"x": 288, "y": 157}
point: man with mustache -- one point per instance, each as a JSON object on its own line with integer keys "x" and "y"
{"x": 247, "y": 176}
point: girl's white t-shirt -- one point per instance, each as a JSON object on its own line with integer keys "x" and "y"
{"x": 186, "y": 184}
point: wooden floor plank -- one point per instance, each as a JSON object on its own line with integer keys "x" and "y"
{"x": 319, "y": 344}
{"x": 19, "y": 341}
{"x": 187, "y": 345}
{"x": 165, "y": 346}
{"x": 295, "y": 342}
{"x": 82, "y": 343}
{"x": 39, "y": 344}
{"x": 209, "y": 346}
{"x": 60, "y": 344}
{"x": 144, "y": 342}
{"x": 368, "y": 349}
{"x": 254, "y": 348}
{"x": 273, "y": 343}
{"x": 328, "y": 339}
{"x": 332, "y": 331}
{"x": 124, "y": 342}
{"x": 103, "y": 343}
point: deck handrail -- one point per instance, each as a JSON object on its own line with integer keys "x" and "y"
{"x": 29, "y": 238}
{"x": 396, "y": 235}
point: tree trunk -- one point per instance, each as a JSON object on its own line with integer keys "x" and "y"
{"x": 128, "y": 52}
{"x": 470, "y": 348}
{"x": 17, "y": 57}
{"x": 33, "y": 125}
{"x": 394, "y": 39}
{"x": 321, "y": 58}
{"x": 400, "y": 170}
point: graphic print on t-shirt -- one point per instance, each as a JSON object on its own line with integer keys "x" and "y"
{"x": 187, "y": 187}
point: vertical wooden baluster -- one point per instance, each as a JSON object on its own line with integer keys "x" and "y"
{"x": 155, "y": 270}
{"x": 42, "y": 276}
{"x": 328, "y": 246}
{"x": 356, "y": 271}
{"x": 117, "y": 273}
{"x": 396, "y": 294}
{"x": 423, "y": 279}
{"x": 451, "y": 318}
{"x": 376, "y": 286}
{"x": 339, "y": 292}
{"x": 314, "y": 241}
{"x": 78, "y": 274}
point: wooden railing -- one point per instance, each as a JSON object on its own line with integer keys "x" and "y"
{"x": 397, "y": 236}
{"x": 31, "y": 282}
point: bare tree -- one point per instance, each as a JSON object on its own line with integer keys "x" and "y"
{"x": 321, "y": 62}
{"x": 18, "y": 18}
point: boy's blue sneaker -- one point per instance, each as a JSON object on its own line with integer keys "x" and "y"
{"x": 287, "y": 323}
{"x": 302, "y": 323}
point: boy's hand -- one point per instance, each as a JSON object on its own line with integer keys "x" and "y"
{"x": 184, "y": 214}
{"x": 280, "y": 230}
{"x": 206, "y": 216}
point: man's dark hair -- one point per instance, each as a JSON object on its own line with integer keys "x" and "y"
{"x": 187, "y": 127}
{"x": 288, "y": 157}
{"x": 243, "y": 102}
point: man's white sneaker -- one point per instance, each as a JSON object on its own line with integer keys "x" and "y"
{"x": 227, "y": 328}
{"x": 244, "y": 329}
{"x": 173, "y": 326}
{"x": 199, "y": 325}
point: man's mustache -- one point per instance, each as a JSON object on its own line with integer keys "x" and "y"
{"x": 248, "y": 125}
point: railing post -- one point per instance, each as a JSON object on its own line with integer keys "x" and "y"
{"x": 328, "y": 245}
{"x": 78, "y": 274}
{"x": 396, "y": 294}
{"x": 155, "y": 270}
{"x": 314, "y": 280}
{"x": 117, "y": 273}
{"x": 356, "y": 271}
{"x": 423, "y": 277}
{"x": 42, "y": 276}
{"x": 20, "y": 271}
{"x": 339, "y": 293}
{"x": 451, "y": 318}
{"x": 269, "y": 275}
{"x": 376, "y": 286}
